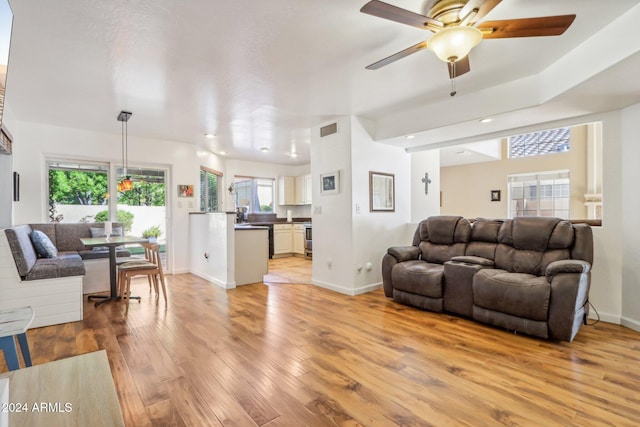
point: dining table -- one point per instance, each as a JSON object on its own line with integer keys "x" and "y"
{"x": 111, "y": 242}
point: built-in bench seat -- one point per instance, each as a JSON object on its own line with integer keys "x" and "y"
{"x": 53, "y": 286}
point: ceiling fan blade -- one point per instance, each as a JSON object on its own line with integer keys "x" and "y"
{"x": 388, "y": 60}
{"x": 483, "y": 7}
{"x": 397, "y": 14}
{"x": 461, "y": 67}
{"x": 526, "y": 27}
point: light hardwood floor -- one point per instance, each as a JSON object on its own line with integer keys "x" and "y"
{"x": 289, "y": 270}
{"x": 294, "y": 355}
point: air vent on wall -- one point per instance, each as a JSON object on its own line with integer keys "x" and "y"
{"x": 328, "y": 130}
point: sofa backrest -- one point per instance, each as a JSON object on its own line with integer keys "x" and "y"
{"x": 442, "y": 237}
{"x": 24, "y": 254}
{"x": 66, "y": 235}
{"x": 484, "y": 238}
{"x": 529, "y": 244}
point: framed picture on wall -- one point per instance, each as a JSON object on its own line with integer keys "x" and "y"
{"x": 495, "y": 195}
{"x": 185, "y": 190}
{"x": 381, "y": 192}
{"x": 330, "y": 183}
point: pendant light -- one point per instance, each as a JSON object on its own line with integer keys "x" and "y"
{"x": 125, "y": 184}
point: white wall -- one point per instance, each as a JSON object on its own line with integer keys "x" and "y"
{"x": 332, "y": 228}
{"x": 425, "y": 205}
{"x": 374, "y": 232}
{"x": 346, "y": 235}
{"x": 631, "y": 212}
{"x": 34, "y": 142}
{"x": 6, "y": 190}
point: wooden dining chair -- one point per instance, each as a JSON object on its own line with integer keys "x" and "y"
{"x": 151, "y": 267}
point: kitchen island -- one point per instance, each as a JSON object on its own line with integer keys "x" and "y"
{"x": 225, "y": 254}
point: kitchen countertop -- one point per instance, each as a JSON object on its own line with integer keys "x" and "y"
{"x": 250, "y": 227}
{"x": 272, "y": 223}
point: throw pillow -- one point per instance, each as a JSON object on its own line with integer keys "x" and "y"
{"x": 44, "y": 246}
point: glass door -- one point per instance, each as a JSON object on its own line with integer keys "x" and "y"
{"x": 143, "y": 209}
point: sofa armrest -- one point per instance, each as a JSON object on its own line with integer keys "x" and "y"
{"x": 475, "y": 260}
{"x": 567, "y": 266}
{"x": 404, "y": 253}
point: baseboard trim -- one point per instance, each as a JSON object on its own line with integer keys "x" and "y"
{"x": 347, "y": 291}
{"x": 630, "y": 323}
{"x": 605, "y": 317}
{"x": 216, "y": 281}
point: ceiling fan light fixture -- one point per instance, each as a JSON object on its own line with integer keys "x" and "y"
{"x": 453, "y": 43}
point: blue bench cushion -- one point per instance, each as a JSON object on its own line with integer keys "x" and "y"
{"x": 24, "y": 254}
{"x": 66, "y": 264}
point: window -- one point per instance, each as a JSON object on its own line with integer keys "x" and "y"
{"x": 539, "y": 194}
{"x": 256, "y": 194}
{"x": 77, "y": 191}
{"x": 210, "y": 190}
{"x": 540, "y": 143}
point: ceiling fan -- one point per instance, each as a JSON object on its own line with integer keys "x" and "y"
{"x": 457, "y": 31}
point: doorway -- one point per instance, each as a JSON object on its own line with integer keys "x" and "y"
{"x": 291, "y": 269}
{"x": 143, "y": 209}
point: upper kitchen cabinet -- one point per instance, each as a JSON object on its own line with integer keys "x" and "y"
{"x": 294, "y": 190}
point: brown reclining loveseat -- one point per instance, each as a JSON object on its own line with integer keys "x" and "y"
{"x": 528, "y": 274}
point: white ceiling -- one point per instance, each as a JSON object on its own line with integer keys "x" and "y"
{"x": 261, "y": 73}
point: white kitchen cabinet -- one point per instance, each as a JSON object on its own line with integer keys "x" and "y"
{"x": 300, "y": 195}
{"x": 307, "y": 189}
{"x": 287, "y": 190}
{"x": 282, "y": 239}
{"x": 294, "y": 190}
{"x": 298, "y": 239}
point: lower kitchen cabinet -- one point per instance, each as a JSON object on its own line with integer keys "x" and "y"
{"x": 282, "y": 239}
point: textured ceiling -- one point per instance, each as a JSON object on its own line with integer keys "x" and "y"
{"x": 260, "y": 73}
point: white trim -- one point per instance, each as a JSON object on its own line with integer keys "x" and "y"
{"x": 630, "y": 323}
{"x": 346, "y": 291}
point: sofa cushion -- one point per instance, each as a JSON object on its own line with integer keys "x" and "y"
{"x": 66, "y": 264}
{"x": 418, "y": 277}
{"x": 517, "y": 294}
{"x": 68, "y": 235}
{"x": 44, "y": 246}
{"x": 24, "y": 254}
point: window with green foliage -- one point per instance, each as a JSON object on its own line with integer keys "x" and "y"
{"x": 77, "y": 184}
{"x": 256, "y": 194}
{"x": 210, "y": 190}
{"x": 73, "y": 187}
{"x": 149, "y": 187}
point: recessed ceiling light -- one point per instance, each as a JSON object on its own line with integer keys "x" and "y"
{"x": 209, "y": 135}
{"x": 486, "y": 120}
{"x": 264, "y": 149}
{"x": 222, "y": 153}
{"x": 410, "y": 136}
{"x": 294, "y": 155}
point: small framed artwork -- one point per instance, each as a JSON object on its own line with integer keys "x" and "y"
{"x": 381, "y": 192}
{"x": 330, "y": 183}
{"x": 185, "y": 190}
{"x": 495, "y": 195}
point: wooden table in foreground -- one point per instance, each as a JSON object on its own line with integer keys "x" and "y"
{"x": 77, "y": 391}
{"x": 110, "y": 242}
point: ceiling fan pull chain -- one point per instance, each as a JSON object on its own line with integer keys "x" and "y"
{"x": 453, "y": 79}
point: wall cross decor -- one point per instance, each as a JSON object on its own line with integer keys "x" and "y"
{"x": 426, "y": 182}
